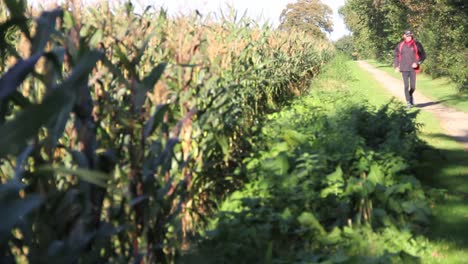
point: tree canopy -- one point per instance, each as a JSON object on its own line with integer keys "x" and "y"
{"x": 311, "y": 16}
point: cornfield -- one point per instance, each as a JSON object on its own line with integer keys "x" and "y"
{"x": 120, "y": 131}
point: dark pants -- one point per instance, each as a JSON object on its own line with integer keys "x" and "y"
{"x": 409, "y": 80}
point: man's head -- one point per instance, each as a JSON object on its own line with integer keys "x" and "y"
{"x": 408, "y": 35}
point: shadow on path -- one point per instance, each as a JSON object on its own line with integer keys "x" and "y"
{"x": 422, "y": 105}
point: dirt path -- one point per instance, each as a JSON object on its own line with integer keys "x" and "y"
{"x": 454, "y": 122}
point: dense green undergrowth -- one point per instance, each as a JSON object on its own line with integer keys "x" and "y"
{"x": 330, "y": 182}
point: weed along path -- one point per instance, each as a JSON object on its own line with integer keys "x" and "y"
{"x": 454, "y": 122}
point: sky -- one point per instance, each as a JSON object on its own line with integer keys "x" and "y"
{"x": 264, "y": 10}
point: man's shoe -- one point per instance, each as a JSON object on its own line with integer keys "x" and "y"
{"x": 409, "y": 105}
{"x": 411, "y": 100}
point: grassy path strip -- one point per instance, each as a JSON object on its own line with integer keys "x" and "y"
{"x": 445, "y": 168}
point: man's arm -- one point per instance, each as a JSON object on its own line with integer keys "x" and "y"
{"x": 396, "y": 63}
{"x": 421, "y": 53}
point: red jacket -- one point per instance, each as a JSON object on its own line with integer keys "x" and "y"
{"x": 406, "y": 54}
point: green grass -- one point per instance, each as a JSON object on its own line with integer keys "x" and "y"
{"x": 446, "y": 168}
{"x": 440, "y": 89}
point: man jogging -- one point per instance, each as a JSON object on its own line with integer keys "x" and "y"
{"x": 408, "y": 55}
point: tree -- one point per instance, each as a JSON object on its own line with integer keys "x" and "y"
{"x": 311, "y": 16}
{"x": 376, "y": 25}
{"x": 345, "y": 45}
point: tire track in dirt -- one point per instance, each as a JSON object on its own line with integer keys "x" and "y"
{"x": 454, "y": 122}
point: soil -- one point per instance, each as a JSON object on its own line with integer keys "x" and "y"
{"x": 454, "y": 122}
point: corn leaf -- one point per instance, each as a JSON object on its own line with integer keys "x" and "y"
{"x": 95, "y": 177}
{"x": 16, "y": 75}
